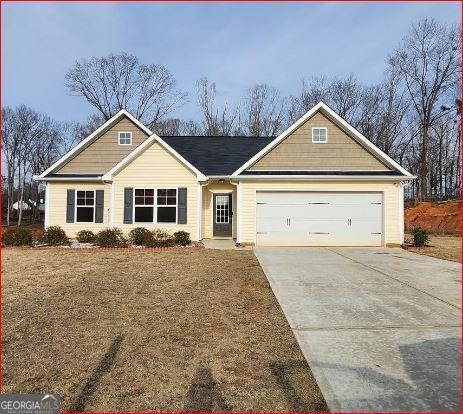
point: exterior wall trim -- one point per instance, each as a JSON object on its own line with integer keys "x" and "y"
{"x": 47, "y": 206}
{"x": 326, "y": 177}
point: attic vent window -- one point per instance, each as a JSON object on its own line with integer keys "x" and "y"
{"x": 319, "y": 135}
{"x": 125, "y": 138}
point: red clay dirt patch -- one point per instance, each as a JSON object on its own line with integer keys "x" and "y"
{"x": 438, "y": 218}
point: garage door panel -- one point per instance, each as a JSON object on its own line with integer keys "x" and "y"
{"x": 319, "y": 219}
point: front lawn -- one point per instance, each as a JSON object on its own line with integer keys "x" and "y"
{"x": 139, "y": 330}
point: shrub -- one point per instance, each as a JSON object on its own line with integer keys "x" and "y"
{"x": 420, "y": 237}
{"x": 162, "y": 235}
{"x": 182, "y": 238}
{"x": 111, "y": 238}
{"x": 85, "y": 236}
{"x": 54, "y": 236}
{"x": 161, "y": 238}
{"x": 17, "y": 236}
{"x": 140, "y": 236}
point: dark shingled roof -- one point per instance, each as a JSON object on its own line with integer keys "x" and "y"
{"x": 217, "y": 155}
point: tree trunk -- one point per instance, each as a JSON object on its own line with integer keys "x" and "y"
{"x": 424, "y": 164}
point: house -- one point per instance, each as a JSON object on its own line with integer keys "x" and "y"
{"x": 319, "y": 183}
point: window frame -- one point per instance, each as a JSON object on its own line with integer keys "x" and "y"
{"x": 155, "y": 205}
{"x": 167, "y": 205}
{"x": 144, "y": 205}
{"x": 326, "y": 135}
{"x": 119, "y": 137}
{"x": 75, "y": 206}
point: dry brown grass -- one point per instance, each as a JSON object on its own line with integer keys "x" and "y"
{"x": 446, "y": 247}
{"x": 149, "y": 330}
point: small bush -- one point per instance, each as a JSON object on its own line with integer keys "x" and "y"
{"x": 54, "y": 236}
{"x": 140, "y": 236}
{"x": 182, "y": 238}
{"x": 162, "y": 235}
{"x": 111, "y": 238}
{"x": 420, "y": 237}
{"x": 160, "y": 238}
{"x": 85, "y": 236}
{"x": 17, "y": 236}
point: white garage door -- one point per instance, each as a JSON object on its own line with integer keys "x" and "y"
{"x": 319, "y": 219}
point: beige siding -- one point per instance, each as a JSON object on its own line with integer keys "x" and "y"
{"x": 391, "y": 202}
{"x": 156, "y": 168}
{"x": 100, "y": 156}
{"x": 298, "y": 152}
{"x": 57, "y": 193}
{"x": 208, "y": 206}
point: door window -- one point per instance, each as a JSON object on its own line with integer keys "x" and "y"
{"x": 222, "y": 209}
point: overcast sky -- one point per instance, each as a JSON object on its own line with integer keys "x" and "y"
{"x": 234, "y": 44}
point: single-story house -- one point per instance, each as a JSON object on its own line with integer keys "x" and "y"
{"x": 319, "y": 183}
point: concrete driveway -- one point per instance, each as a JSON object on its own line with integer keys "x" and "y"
{"x": 380, "y": 328}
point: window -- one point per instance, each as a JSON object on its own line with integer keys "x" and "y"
{"x": 167, "y": 206}
{"x": 144, "y": 205}
{"x": 85, "y": 206}
{"x": 319, "y": 135}
{"x": 125, "y": 138}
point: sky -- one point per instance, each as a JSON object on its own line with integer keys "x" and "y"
{"x": 235, "y": 45}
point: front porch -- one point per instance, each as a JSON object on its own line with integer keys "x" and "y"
{"x": 219, "y": 210}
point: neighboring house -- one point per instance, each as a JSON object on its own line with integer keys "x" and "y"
{"x": 320, "y": 183}
{"x": 17, "y": 205}
{"x": 27, "y": 205}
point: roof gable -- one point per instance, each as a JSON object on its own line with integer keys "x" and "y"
{"x": 104, "y": 152}
{"x": 341, "y": 123}
{"x": 92, "y": 138}
{"x": 340, "y": 152}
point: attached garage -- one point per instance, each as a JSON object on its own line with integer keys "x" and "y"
{"x": 319, "y": 218}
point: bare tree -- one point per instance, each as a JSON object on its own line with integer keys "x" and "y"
{"x": 428, "y": 60}
{"x": 344, "y": 96}
{"x": 10, "y": 153}
{"x": 177, "y": 127}
{"x": 217, "y": 121}
{"x": 31, "y": 143}
{"x": 116, "y": 82}
{"x": 263, "y": 111}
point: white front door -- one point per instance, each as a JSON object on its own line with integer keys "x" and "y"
{"x": 319, "y": 219}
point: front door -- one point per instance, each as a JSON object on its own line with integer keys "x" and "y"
{"x": 222, "y": 215}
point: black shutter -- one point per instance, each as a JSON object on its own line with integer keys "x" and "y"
{"x": 70, "y": 205}
{"x": 128, "y": 205}
{"x": 182, "y": 205}
{"x": 99, "y": 206}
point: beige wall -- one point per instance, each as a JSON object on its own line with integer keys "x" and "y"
{"x": 100, "y": 156}
{"x": 392, "y": 210}
{"x": 156, "y": 168}
{"x": 298, "y": 152}
{"x": 208, "y": 206}
{"x": 57, "y": 200}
